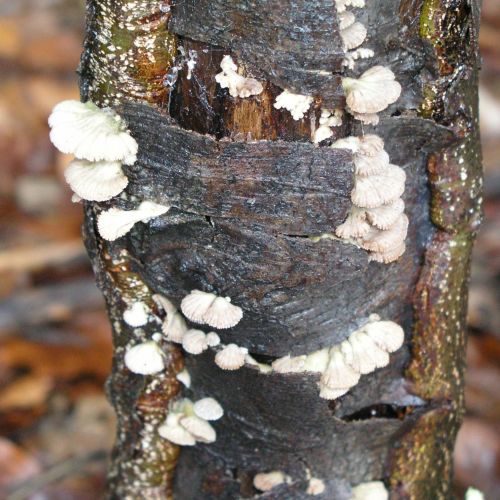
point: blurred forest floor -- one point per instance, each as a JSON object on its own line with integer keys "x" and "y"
{"x": 55, "y": 350}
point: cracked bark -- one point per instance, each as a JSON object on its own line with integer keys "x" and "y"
{"x": 247, "y": 189}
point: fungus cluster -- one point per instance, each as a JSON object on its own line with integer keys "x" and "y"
{"x": 329, "y": 118}
{"x": 341, "y": 366}
{"x": 115, "y": 223}
{"x": 238, "y": 85}
{"x": 352, "y": 32}
{"x": 297, "y": 104}
{"x": 376, "y": 221}
{"x": 101, "y": 143}
{"x": 188, "y": 423}
{"x": 203, "y": 307}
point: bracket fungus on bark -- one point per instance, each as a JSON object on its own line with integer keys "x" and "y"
{"x": 96, "y": 181}
{"x": 206, "y": 308}
{"x": 101, "y": 143}
{"x": 185, "y": 424}
{"x": 373, "y": 91}
{"x": 115, "y": 223}
{"x": 297, "y": 104}
{"x": 231, "y": 357}
{"x": 136, "y": 314}
{"x": 238, "y": 85}
{"x": 376, "y": 221}
{"x": 145, "y": 359}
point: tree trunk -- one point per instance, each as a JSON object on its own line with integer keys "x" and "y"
{"x": 250, "y": 196}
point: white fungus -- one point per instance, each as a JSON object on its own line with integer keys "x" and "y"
{"x": 185, "y": 426}
{"x": 115, "y": 223}
{"x": 145, "y": 359}
{"x": 91, "y": 133}
{"x": 184, "y": 378}
{"x": 208, "y": 408}
{"x": 385, "y": 216}
{"x": 329, "y": 118}
{"x": 297, "y": 104}
{"x": 288, "y": 364}
{"x": 231, "y": 357}
{"x": 96, "y": 181}
{"x": 338, "y": 374}
{"x": 343, "y": 4}
{"x": 354, "y": 227}
{"x": 265, "y": 481}
{"x": 474, "y": 494}
{"x": 136, "y": 314}
{"x": 174, "y": 432}
{"x": 380, "y": 189}
{"x": 386, "y": 334}
{"x": 194, "y": 342}
{"x": 373, "y": 91}
{"x": 373, "y": 490}
{"x": 315, "y": 487}
{"x": 213, "y": 340}
{"x": 382, "y": 241}
{"x": 353, "y": 35}
{"x": 217, "y": 312}
{"x": 238, "y": 85}
{"x": 174, "y": 327}
{"x": 200, "y": 429}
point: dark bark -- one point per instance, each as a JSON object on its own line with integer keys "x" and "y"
{"x": 242, "y": 217}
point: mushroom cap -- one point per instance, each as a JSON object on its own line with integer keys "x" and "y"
{"x": 96, "y": 181}
{"x": 196, "y": 304}
{"x": 288, "y": 364}
{"x": 194, "y": 341}
{"x": 184, "y": 377}
{"x": 376, "y": 190}
{"x": 200, "y": 429}
{"x": 363, "y": 354}
{"x": 316, "y": 486}
{"x": 370, "y": 145}
{"x": 346, "y": 19}
{"x": 145, "y": 359}
{"x": 221, "y": 314}
{"x": 213, "y": 339}
{"x": 379, "y": 240}
{"x": 238, "y": 85}
{"x": 387, "y": 215}
{"x": 338, "y": 374}
{"x": 265, "y": 481}
{"x": 176, "y": 434}
{"x": 351, "y": 142}
{"x": 91, "y": 133}
{"x": 389, "y": 256}
{"x": 331, "y": 394}
{"x": 174, "y": 327}
{"x": 388, "y": 335}
{"x": 354, "y": 227}
{"x": 374, "y": 91}
{"x": 297, "y": 104}
{"x": 353, "y": 35}
{"x": 115, "y": 223}
{"x": 317, "y": 361}
{"x": 322, "y": 133}
{"x": 373, "y": 490}
{"x": 371, "y": 165}
{"x": 164, "y": 303}
{"x": 208, "y": 409}
{"x": 232, "y": 357}
{"x": 366, "y": 118}
{"x": 136, "y": 314}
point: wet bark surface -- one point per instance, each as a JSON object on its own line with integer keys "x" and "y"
{"x": 247, "y": 203}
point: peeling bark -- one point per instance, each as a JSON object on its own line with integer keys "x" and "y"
{"x": 250, "y": 198}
